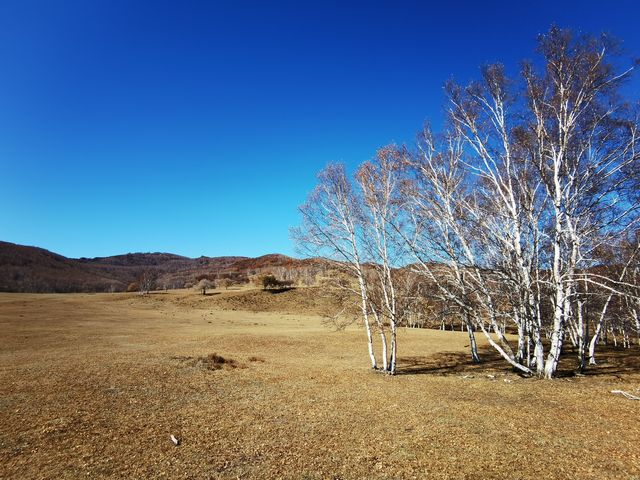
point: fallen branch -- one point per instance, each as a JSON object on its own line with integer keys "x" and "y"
{"x": 626, "y": 394}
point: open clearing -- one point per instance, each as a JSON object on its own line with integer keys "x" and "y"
{"x": 93, "y": 386}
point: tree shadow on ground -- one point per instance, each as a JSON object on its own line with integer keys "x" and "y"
{"x": 452, "y": 363}
{"x": 275, "y": 291}
{"x": 209, "y": 294}
{"x": 612, "y": 361}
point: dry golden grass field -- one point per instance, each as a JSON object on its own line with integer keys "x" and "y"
{"x": 92, "y": 386}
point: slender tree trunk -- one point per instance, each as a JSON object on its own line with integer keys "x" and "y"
{"x": 503, "y": 349}
{"x": 559, "y": 313}
{"x": 472, "y": 339}
{"x": 596, "y": 334}
{"x": 394, "y": 347}
{"x": 582, "y": 339}
{"x": 520, "y": 355}
{"x": 555, "y": 348}
{"x": 367, "y": 325}
{"x": 385, "y": 354}
{"x": 372, "y": 355}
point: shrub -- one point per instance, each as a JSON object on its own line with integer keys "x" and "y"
{"x": 269, "y": 281}
{"x": 213, "y": 361}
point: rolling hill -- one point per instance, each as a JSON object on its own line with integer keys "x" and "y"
{"x": 36, "y": 270}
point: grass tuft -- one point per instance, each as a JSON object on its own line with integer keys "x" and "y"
{"x": 213, "y": 361}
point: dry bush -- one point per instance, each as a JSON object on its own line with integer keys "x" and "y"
{"x": 133, "y": 287}
{"x": 213, "y": 361}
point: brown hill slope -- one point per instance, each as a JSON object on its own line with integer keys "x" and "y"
{"x": 33, "y": 269}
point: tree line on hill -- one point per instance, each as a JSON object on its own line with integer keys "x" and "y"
{"x": 520, "y": 217}
{"x": 147, "y": 281}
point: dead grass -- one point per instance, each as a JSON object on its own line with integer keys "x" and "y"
{"x": 213, "y": 361}
{"x": 301, "y": 300}
{"x": 93, "y": 386}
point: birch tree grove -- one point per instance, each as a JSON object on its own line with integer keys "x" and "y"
{"x": 380, "y": 183}
{"x": 521, "y": 217}
{"x": 331, "y": 229}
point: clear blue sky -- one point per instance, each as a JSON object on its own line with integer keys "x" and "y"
{"x": 197, "y": 127}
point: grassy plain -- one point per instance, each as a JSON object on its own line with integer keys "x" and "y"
{"x": 92, "y": 386}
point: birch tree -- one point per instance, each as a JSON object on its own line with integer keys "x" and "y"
{"x": 525, "y": 186}
{"x": 331, "y": 229}
{"x": 434, "y": 233}
{"x": 581, "y": 140}
{"x": 380, "y": 182}
{"x": 355, "y": 224}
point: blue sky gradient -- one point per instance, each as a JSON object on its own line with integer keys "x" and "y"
{"x": 198, "y": 127}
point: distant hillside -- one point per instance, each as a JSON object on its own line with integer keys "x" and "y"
{"x": 33, "y": 269}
